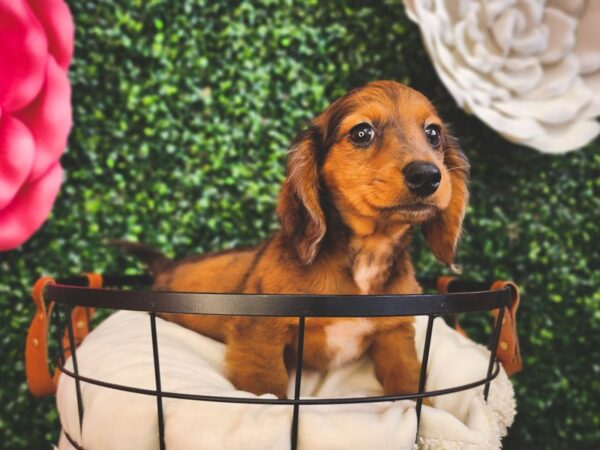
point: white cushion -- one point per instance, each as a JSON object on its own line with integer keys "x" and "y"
{"x": 120, "y": 351}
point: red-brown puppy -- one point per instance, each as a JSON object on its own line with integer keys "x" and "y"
{"x": 375, "y": 163}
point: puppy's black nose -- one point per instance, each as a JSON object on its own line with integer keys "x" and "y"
{"x": 422, "y": 178}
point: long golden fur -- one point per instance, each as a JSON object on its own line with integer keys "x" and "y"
{"x": 346, "y": 212}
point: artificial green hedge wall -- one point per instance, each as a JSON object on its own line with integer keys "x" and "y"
{"x": 183, "y": 112}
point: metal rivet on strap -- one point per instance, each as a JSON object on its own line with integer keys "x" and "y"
{"x": 80, "y": 324}
{"x": 35, "y": 342}
{"x": 504, "y": 345}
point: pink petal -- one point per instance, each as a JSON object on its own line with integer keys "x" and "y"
{"x": 23, "y": 54}
{"x": 29, "y": 209}
{"x": 48, "y": 118}
{"x": 56, "y": 19}
{"x": 17, "y": 151}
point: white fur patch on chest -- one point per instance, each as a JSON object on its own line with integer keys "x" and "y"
{"x": 365, "y": 274}
{"x": 372, "y": 262}
{"x": 345, "y": 339}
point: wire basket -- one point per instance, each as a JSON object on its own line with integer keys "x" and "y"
{"x": 73, "y": 298}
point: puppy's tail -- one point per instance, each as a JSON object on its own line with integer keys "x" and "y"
{"x": 156, "y": 261}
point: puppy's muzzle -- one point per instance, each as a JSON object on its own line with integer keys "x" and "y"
{"x": 422, "y": 178}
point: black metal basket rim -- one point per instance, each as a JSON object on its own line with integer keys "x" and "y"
{"x": 71, "y": 292}
{"x": 276, "y": 401}
{"x": 280, "y": 305}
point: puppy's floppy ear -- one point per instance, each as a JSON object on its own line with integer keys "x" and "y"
{"x": 299, "y": 206}
{"x": 443, "y": 231}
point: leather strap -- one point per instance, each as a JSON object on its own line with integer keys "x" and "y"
{"x": 39, "y": 380}
{"x": 36, "y": 346}
{"x": 509, "y": 351}
{"x": 81, "y": 316}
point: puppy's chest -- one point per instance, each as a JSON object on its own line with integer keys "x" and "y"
{"x": 346, "y": 340}
{"x": 373, "y": 263}
{"x": 331, "y": 343}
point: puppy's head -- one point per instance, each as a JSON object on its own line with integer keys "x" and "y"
{"x": 385, "y": 159}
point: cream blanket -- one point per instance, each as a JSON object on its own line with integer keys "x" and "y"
{"x": 120, "y": 351}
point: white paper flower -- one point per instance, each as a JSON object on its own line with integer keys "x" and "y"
{"x": 530, "y": 69}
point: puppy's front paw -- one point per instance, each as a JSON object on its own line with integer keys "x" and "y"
{"x": 257, "y": 371}
{"x": 259, "y": 382}
{"x": 428, "y": 401}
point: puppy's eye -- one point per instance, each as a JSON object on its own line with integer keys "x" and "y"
{"x": 433, "y": 133}
{"x": 362, "y": 134}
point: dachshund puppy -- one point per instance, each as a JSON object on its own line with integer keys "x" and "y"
{"x": 376, "y": 163}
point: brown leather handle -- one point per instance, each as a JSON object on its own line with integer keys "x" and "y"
{"x": 508, "y": 351}
{"x": 36, "y": 346}
{"x": 81, "y": 316}
{"x": 39, "y": 380}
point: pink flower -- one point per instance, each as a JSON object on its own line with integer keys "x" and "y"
{"x": 36, "y": 45}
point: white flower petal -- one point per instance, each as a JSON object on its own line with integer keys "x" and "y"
{"x": 470, "y": 80}
{"x": 588, "y": 38}
{"x": 487, "y": 51}
{"x": 493, "y": 8}
{"x": 446, "y": 69}
{"x": 516, "y": 129}
{"x": 561, "y": 29}
{"x": 435, "y": 14}
{"x": 532, "y": 11}
{"x": 571, "y": 7}
{"x": 455, "y": 10}
{"x": 476, "y": 54}
{"x": 566, "y": 137}
{"x": 555, "y": 111}
{"x": 593, "y": 84}
{"x": 436, "y": 27}
{"x": 475, "y": 25}
{"x": 444, "y": 63}
{"x": 519, "y": 63}
{"x": 532, "y": 41}
{"x": 557, "y": 79}
{"x": 411, "y": 10}
{"x": 519, "y": 76}
{"x": 503, "y": 30}
{"x": 516, "y": 64}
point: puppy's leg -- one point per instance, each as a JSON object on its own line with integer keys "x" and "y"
{"x": 395, "y": 357}
{"x": 255, "y": 356}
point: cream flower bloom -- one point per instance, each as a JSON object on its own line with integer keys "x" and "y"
{"x": 530, "y": 69}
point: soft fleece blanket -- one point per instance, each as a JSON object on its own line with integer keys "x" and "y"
{"x": 120, "y": 351}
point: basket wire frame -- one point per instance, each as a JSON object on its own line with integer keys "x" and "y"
{"x": 66, "y": 291}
